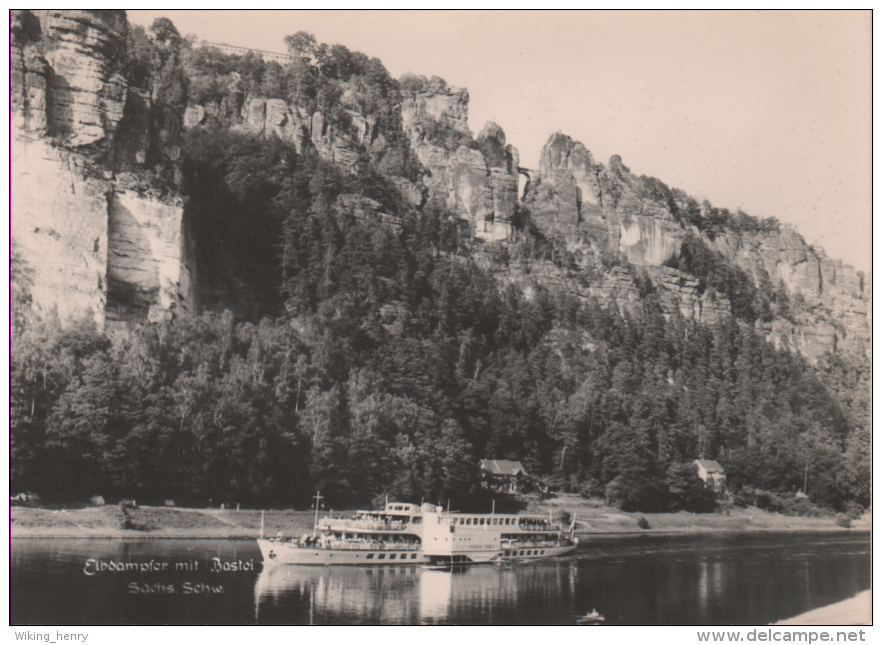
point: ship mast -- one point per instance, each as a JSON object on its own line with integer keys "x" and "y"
{"x": 318, "y": 499}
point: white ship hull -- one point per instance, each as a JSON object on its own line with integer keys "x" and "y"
{"x": 495, "y": 555}
{"x": 276, "y": 552}
{"x": 404, "y": 534}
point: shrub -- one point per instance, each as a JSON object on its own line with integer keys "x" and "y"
{"x": 636, "y": 490}
{"x": 843, "y": 521}
{"x": 686, "y": 491}
{"x": 643, "y": 523}
{"x": 590, "y": 489}
{"x": 853, "y": 510}
{"x": 125, "y": 522}
{"x": 564, "y": 517}
{"x": 801, "y": 508}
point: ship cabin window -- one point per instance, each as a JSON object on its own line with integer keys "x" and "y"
{"x": 413, "y": 556}
{"x": 370, "y": 556}
{"x": 416, "y": 520}
{"x": 382, "y": 556}
{"x": 481, "y": 521}
{"x": 468, "y": 520}
{"x": 494, "y": 521}
{"x": 391, "y": 556}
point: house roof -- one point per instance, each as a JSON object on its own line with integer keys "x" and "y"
{"x": 503, "y": 467}
{"x": 710, "y": 465}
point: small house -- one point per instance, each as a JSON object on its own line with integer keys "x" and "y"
{"x": 503, "y": 476}
{"x": 712, "y": 474}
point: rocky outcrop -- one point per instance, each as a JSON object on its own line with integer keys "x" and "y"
{"x": 649, "y": 240}
{"x": 59, "y": 223}
{"x": 828, "y": 302}
{"x": 365, "y": 209}
{"x": 610, "y": 205}
{"x": 434, "y": 117}
{"x": 98, "y": 233}
{"x": 479, "y": 181}
{"x": 564, "y": 162}
{"x": 433, "y": 101}
{"x": 469, "y": 192}
{"x": 681, "y": 293}
{"x": 263, "y": 117}
{"x": 70, "y": 86}
{"x": 636, "y": 218}
{"x": 144, "y": 258}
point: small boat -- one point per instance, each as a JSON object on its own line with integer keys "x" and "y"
{"x": 593, "y": 617}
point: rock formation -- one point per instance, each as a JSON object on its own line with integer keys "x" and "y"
{"x": 103, "y": 235}
{"x": 98, "y": 237}
{"x": 263, "y": 117}
{"x": 477, "y": 178}
{"x": 617, "y": 212}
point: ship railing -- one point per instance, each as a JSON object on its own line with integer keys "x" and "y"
{"x": 553, "y": 541}
{"x": 538, "y": 527}
{"x": 350, "y": 545}
{"x": 369, "y": 525}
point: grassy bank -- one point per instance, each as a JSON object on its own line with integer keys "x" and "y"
{"x": 162, "y": 522}
{"x": 594, "y": 517}
{"x": 154, "y": 522}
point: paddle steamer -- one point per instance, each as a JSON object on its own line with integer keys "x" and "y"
{"x": 421, "y": 534}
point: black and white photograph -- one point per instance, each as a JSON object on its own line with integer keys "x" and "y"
{"x": 440, "y": 317}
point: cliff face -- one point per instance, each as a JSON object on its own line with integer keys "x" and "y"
{"x": 102, "y": 234}
{"x": 479, "y": 181}
{"x": 607, "y": 209}
{"x": 98, "y": 235}
{"x": 829, "y": 300}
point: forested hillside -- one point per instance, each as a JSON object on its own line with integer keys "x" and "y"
{"x": 355, "y": 334}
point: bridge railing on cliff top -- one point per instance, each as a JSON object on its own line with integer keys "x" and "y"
{"x": 241, "y": 51}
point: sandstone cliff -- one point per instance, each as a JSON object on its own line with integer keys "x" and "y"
{"x": 97, "y": 215}
{"x": 95, "y": 229}
{"x": 477, "y": 178}
{"x": 609, "y": 210}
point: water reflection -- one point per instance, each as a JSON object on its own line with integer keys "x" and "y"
{"x": 649, "y": 580}
{"x": 548, "y": 592}
{"x": 383, "y": 595}
{"x": 688, "y": 580}
{"x": 321, "y": 594}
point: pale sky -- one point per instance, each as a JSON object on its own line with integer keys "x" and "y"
{"x": 769, "y": 112}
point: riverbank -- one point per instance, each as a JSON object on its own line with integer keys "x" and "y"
{"x": 151, "y": 522}
{"x": 854, "y": 611}
{"x": 594, "y": 517}
{"x": 155, "y": 522}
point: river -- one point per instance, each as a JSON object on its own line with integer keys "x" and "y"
{"x": 709, "y": 579}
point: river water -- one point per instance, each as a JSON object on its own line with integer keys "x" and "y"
{"x": 740, "y": 579}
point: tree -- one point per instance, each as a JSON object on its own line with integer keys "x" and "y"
{"x": 686, "y": 491}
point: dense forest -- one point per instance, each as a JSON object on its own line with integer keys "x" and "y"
{"x": 367, "y": 359}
